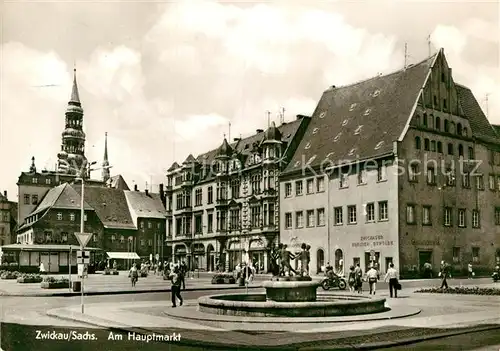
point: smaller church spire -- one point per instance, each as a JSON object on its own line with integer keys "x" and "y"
{"x": 75, "y": 96}
{"x": 33, "y": 167}
{"x": 105, "y": 162}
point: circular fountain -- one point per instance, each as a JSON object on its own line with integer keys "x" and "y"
{"x": 290, "y": 298}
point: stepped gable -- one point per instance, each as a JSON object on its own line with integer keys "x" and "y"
{"x": 481, "y": 127}
{"x": 361, "y": 120}
{"x": 110, "y": 206}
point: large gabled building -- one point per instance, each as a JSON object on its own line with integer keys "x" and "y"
{"x": 223, "y": 206}
{"x": 386, "y": 172}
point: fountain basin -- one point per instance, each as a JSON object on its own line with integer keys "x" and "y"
{"x": 291, "y": 291}
{"x": 257, "y": 305}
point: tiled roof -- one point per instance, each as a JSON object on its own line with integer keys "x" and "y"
{"x": 144, "y": 205}
{"x": 496, "y": 127}
{"x": 479, "y": 124}
{"x": 174, "y": 166}
{"x": 189, "y": 159}
{"x": 245, "y": 145}
{"x": 62, "y": 196}
{"x": 361, "y": 120}
{"x": 117, "y": 182}
{"x": 110, "y": 206}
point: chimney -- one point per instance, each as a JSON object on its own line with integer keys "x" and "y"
{"x": 161, "y": 189}
{"x": 163, "y": 198}
{"x": 5, "y": 193}
{"x": 146, "y": 191}
{"x": 135, "y": 187}
{"x": 260, "y": 130}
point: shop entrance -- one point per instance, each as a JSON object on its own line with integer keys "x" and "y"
{"x": 423, "y": 258}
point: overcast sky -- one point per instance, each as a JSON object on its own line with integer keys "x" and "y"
{"x": 164, "y": 79}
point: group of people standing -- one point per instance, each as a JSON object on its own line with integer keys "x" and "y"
{"x": 355, "y": 279}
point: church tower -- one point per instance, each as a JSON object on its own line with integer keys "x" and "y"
{"x": 71, "y": 158}
{"x": 105, "y": 162}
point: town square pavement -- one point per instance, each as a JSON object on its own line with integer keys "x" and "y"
{"x": 421, "y": 315}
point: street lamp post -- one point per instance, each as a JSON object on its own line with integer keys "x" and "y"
{"x": 83, "y": 172}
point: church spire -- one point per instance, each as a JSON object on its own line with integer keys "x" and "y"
{"x": 75, "y": 96}
{"x": 72, "y": 158}
{"x": 105, "y": 162}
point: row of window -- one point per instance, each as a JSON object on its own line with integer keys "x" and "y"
{"x": 34, "y": 180}
{"x": 72, "y": 217}
{"x": 259, "y": 216}
{"x": 310, "y": 186}
{"x": 31, "y": 199}
{"x": 371, "y": 213}
{"x": 457, "y": 255}
{"x": 428, "y": 121}
{"x": 314, "y": 218}
{"x": 433, "y": 146}
{"x": 431, "y": 178}
{"x": 64, "y": 237}
{"x": 461, "y": 219}
{"x": 5, "y": 216}
{"x": 225, "y": 191}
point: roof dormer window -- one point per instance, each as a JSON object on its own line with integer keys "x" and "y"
{"x": 322, "y": 114}
{"x": 315, "y": 130}
{"x": 367, "y": 111}
{"x": 358, "y": 130}
{"x": 379, "y": 145}
{"x": 308, "y": 145}
{"x": 353, "y": 106}
{"x": 376, "y": 93}
{"x": 337, "y": 137}
{"x": 345, "y": 122}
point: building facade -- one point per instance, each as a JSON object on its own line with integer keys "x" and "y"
{"x": 223, "y": 206}
{"x": 121, "y": 221}
{"x": 8, "y": 220}
{"x": 411, "y": 175}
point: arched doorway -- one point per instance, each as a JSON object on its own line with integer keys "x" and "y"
{"x": 320, "y": 260}
{"x": 180, "y": 253}
{"x": 339, "y": 260}
{"x": 198, "y": 250}
{"x": 210, "y": 258}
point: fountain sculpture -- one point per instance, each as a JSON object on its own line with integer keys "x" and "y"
{"x": 290, "y": 295}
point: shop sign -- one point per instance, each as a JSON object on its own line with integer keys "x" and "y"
{"x": 180, "y": 249}
{"x": 425, "y": 242}
{"x": 373, "y": 241}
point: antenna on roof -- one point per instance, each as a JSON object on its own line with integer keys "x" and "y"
{"x": 268, "y": 118}
{"x": 429, "y": 44}
{"x": 487, "y": 107}
{"x": 282, "y": 115}
{"x": 406, "y": 55}
{"x": 229, "y": 132}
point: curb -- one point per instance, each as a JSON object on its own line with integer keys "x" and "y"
{"x": 129, "y": 292}
{"x": 292, "y": 346}
{"x": 401, "y": 342}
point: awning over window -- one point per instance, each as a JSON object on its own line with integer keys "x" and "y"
{"x": 123, "y": 255}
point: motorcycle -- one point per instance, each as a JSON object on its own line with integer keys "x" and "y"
{"x": 334, "y": 282}
{"x": 495, "y": 276}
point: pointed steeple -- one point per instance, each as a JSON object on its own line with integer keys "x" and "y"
{"x": 105, "y": 162}
{"x": 75, "y": 96}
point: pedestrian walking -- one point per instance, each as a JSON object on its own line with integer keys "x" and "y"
{"x": 134, "y": 274}
{"x": 392, "y": 276}
{"x": 42, "y": 268}
{"x": 470, "y": 272}
{"x": 182, "y": 270}
{"x": 372, "y": 276}
{"x": 351, "y": 279}
{"x": 358, "y": 274}
{"x": 175, "y": 277}
{"x": 443, "y": 274}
